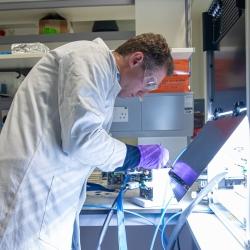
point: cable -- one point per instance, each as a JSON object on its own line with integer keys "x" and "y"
{"x": 126, "y": 211}
{"x": 178, "y": 243}
{"x": 136, "y": 214}
{"x": 122, "y": 237}
{"x": 163, "y": 239}
{"x": 97, "y": 187}
{"x": 106, "y": 223}
{"x": 165, "y": 209}
{"x": 118, "y": 202}
{"x": 159, "y": 224}
{"x": 179, "y": 155}
{"x": 110, "y": 214}
{"x": 183, "y": 217}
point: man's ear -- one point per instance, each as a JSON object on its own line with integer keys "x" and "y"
{"x": 136, "y": 59}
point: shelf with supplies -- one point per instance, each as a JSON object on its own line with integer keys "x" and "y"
{"x": 80, "y": 16}
{"x": 28, "y": 60}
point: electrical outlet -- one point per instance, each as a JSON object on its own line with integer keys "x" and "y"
{"x": 120, "y": 114}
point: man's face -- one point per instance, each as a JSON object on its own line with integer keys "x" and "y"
{"x": 137, "y": 81}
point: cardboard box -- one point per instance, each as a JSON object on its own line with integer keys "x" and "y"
{"x": 53, "y": 24}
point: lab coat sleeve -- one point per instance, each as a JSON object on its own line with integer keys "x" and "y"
{"x": 82, "y": 89}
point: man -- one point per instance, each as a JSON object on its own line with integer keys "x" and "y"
{"x": 56, "y": 134}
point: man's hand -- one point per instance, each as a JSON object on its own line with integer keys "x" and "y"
{"x": 153, "y": 156}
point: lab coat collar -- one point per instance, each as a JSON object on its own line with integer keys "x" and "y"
{"x": 116, "y": 88}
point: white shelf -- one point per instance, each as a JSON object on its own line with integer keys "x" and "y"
{"x": 182, "y": 53}
{"x": 15, "y": 61}
{"x": 28, "y": 60}
{"x": 40, "y": 4}
{"x": 72, "y": 14}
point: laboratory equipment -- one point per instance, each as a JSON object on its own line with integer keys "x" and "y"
{"x": 226, "y": 94}
{"x": 230, "y": 199}
{"x": 155, "y": 189}
{"x": 221, "y": 147}
{"x": 224, "y": 43}
{"x": 183, "y": 217}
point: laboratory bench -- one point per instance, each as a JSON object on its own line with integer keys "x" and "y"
{"x": 203, "y": 229}
{"x": 209, "y": 233}
{"x": 97, "y": 205}
{"x": 139, "y": 231}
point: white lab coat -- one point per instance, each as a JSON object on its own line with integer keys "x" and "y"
{"x": 55, "y": 135}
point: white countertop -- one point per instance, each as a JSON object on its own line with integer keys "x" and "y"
{"x": 210, "y": 234}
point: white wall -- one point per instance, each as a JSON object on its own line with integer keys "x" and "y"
{"x": 166, "y": 17}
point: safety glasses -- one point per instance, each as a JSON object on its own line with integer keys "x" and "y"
{"x": 150, "y": 82}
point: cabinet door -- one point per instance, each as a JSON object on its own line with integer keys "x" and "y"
{"x": 163, "y": 112}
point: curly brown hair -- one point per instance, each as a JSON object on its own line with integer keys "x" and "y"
{"x": 155, "y": 48}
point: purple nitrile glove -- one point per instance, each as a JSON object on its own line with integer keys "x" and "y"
{"x": 153, "y": 156}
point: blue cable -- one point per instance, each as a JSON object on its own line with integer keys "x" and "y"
{"x": 179, "y": 155}
{"x": 165, "y": 209}
{"x": 120, "y": 216}
{"x": 163, "y": 236}
{"x": 159, "y": 224}
{"x": 122, "y": 238}
{"x": 97, "y": 187}
{"x": 126, "y": 211}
